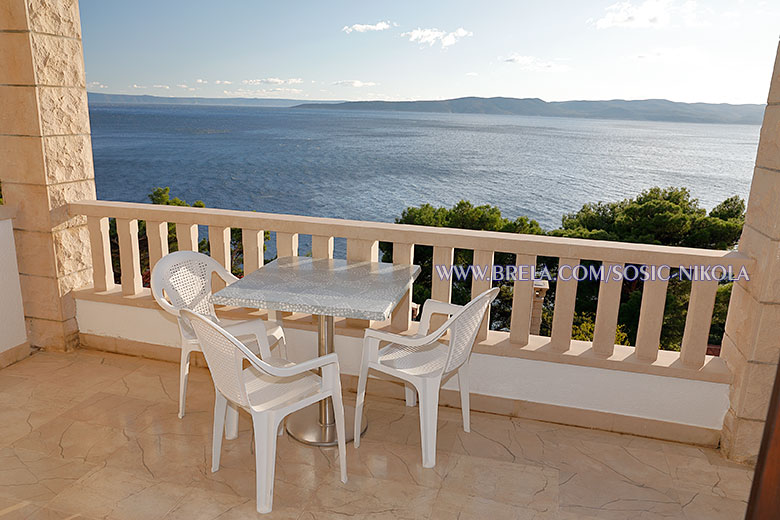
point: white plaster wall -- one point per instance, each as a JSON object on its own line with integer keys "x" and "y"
{"x": 12, "y": 328}
{"x": 682, "y": 401}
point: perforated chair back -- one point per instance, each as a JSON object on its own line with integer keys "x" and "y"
{"x": 184, "y": 277}
{"x": 223, "y": 355}
{"x": 464, "y": 327}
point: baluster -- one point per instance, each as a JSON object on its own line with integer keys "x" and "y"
{"x": 522, "y": 300}
{"x": 565, "y": 299}
{"x": 651, "y": 319}
{"x": 441, "y": 286}
{"x": 361, "y": 251}
{"x": 102, "y": 269}
{"x": 607, "y": 310}
{"x": 157, "y": 238}
{"x": 483, "y": 259}
{"x": 697, "y": 323}
{"x": 403, "y": 254}
{"x": 219, "y": 250}
{"x": 253, "y": 241}
{"x": 129, "y": 256}
{"x": 321, "y": 247}
{"x": 286, "y": 244}
{"x": 187, "y": 237}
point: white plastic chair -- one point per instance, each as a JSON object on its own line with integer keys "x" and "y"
{"x": 424, "y": 360}
{"x": 182, "y": 280}
{"x": 268, "y": 392}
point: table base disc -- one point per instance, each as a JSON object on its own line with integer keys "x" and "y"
{"x": 304, "y": 426}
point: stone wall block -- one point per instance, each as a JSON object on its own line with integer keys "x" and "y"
{"x": 53, "y": 335}
{"x": 59, "y": 17}
{"x": 13, "y": 15}
{"x": 19, "y": 114}
{"x": 764, "y": 203}
{"x": 32, "y": 204}
{"x": 58, "y": 61}
{"x": 769, "y": 149}
{"x": 774, "y": 93}
{"x": 740, "y": 326}
{"x": 64, "y": 110}
{"x": 758, "y": 382}
{"x": 62, "y": 194}
{"x": 72, "y": 250}
{"x": 42, "y": 298}
{"x": 743, "y": 439}
{"x": 15, "y": 60}
{"x": 68, "y": 158}
{"x": 22, "y": 159}
{"x": 764, "y": 283}
{"x": 35, "y": 252}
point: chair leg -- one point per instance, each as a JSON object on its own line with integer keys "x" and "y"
{"x": 265, "y": 459}
{"x": 429, "y": 415}
{"x": 184, "y": 372}
{"x": 220, "y": 408}
{"x": 231, "y": 422}
{"x": 361, "y": 397}
{"x": 411, "y": 395}
{"x": 463, "y": 385}
{"x": 338, "y": 411}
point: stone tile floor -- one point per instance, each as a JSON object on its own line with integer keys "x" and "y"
{"x": 95, "y": 435}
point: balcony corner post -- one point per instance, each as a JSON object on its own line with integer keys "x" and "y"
{"x": 751, "y": 347}
{"x": 46, "y": 162}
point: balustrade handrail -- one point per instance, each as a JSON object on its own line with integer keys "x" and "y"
{"x": 540, "y": 245}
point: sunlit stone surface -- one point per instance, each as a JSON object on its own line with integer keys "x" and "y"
{"x": 95, "y": 435}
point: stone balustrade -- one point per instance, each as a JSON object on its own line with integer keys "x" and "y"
{"x": 362, "y": 244}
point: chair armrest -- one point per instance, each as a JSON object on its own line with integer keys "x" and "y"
{"x": 296, "y": 369}
{"x": 254, "y": 328}
{"x": 409, "y": 341}
{"x": 431, "y": 307}
{"x": 226, "y": 275}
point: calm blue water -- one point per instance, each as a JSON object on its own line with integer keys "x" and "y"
{"x": 371, "y": 165}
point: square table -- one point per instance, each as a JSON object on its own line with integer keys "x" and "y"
{"x": 324, "y": 288}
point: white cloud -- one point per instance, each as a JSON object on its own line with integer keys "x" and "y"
{"x": 433, "y": 36}
{"x": 166, "y": 87}
{"x": 185, "y": 87}
{"x": 472, "y": 74}
{"x": 355, "y": 83}
{"x": 137, "y": 86}
{"x": 96, "y": 84}
{"x": 273, "y": 81}
{"x": 201, "y": 81}
{"x": 271, "y": 92}
{"x": 531, "y": 62}
{"x": 650, "y": 14}
{"x": 361, "y": 28}
{"x": 223, "y": 82}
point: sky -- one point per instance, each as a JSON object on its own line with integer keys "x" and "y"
{"x": 715, "y": 51}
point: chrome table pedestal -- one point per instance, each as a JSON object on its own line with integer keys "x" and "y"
{"x": 316, "y": 424}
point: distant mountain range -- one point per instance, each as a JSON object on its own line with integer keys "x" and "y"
{"x": 129, "y": 99}
{"x": 642, "y": 110}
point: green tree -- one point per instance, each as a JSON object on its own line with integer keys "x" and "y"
{"x": 463, "y": 215}
{"x": 664, "y": 216}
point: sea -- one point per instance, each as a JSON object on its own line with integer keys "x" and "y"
{"x": 370, "y": 165}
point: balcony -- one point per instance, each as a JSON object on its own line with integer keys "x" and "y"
{"x": 561, "y": 428}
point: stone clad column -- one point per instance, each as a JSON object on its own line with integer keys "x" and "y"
{"x": 46, "y": 159}
{"x": 751, "y": 346}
